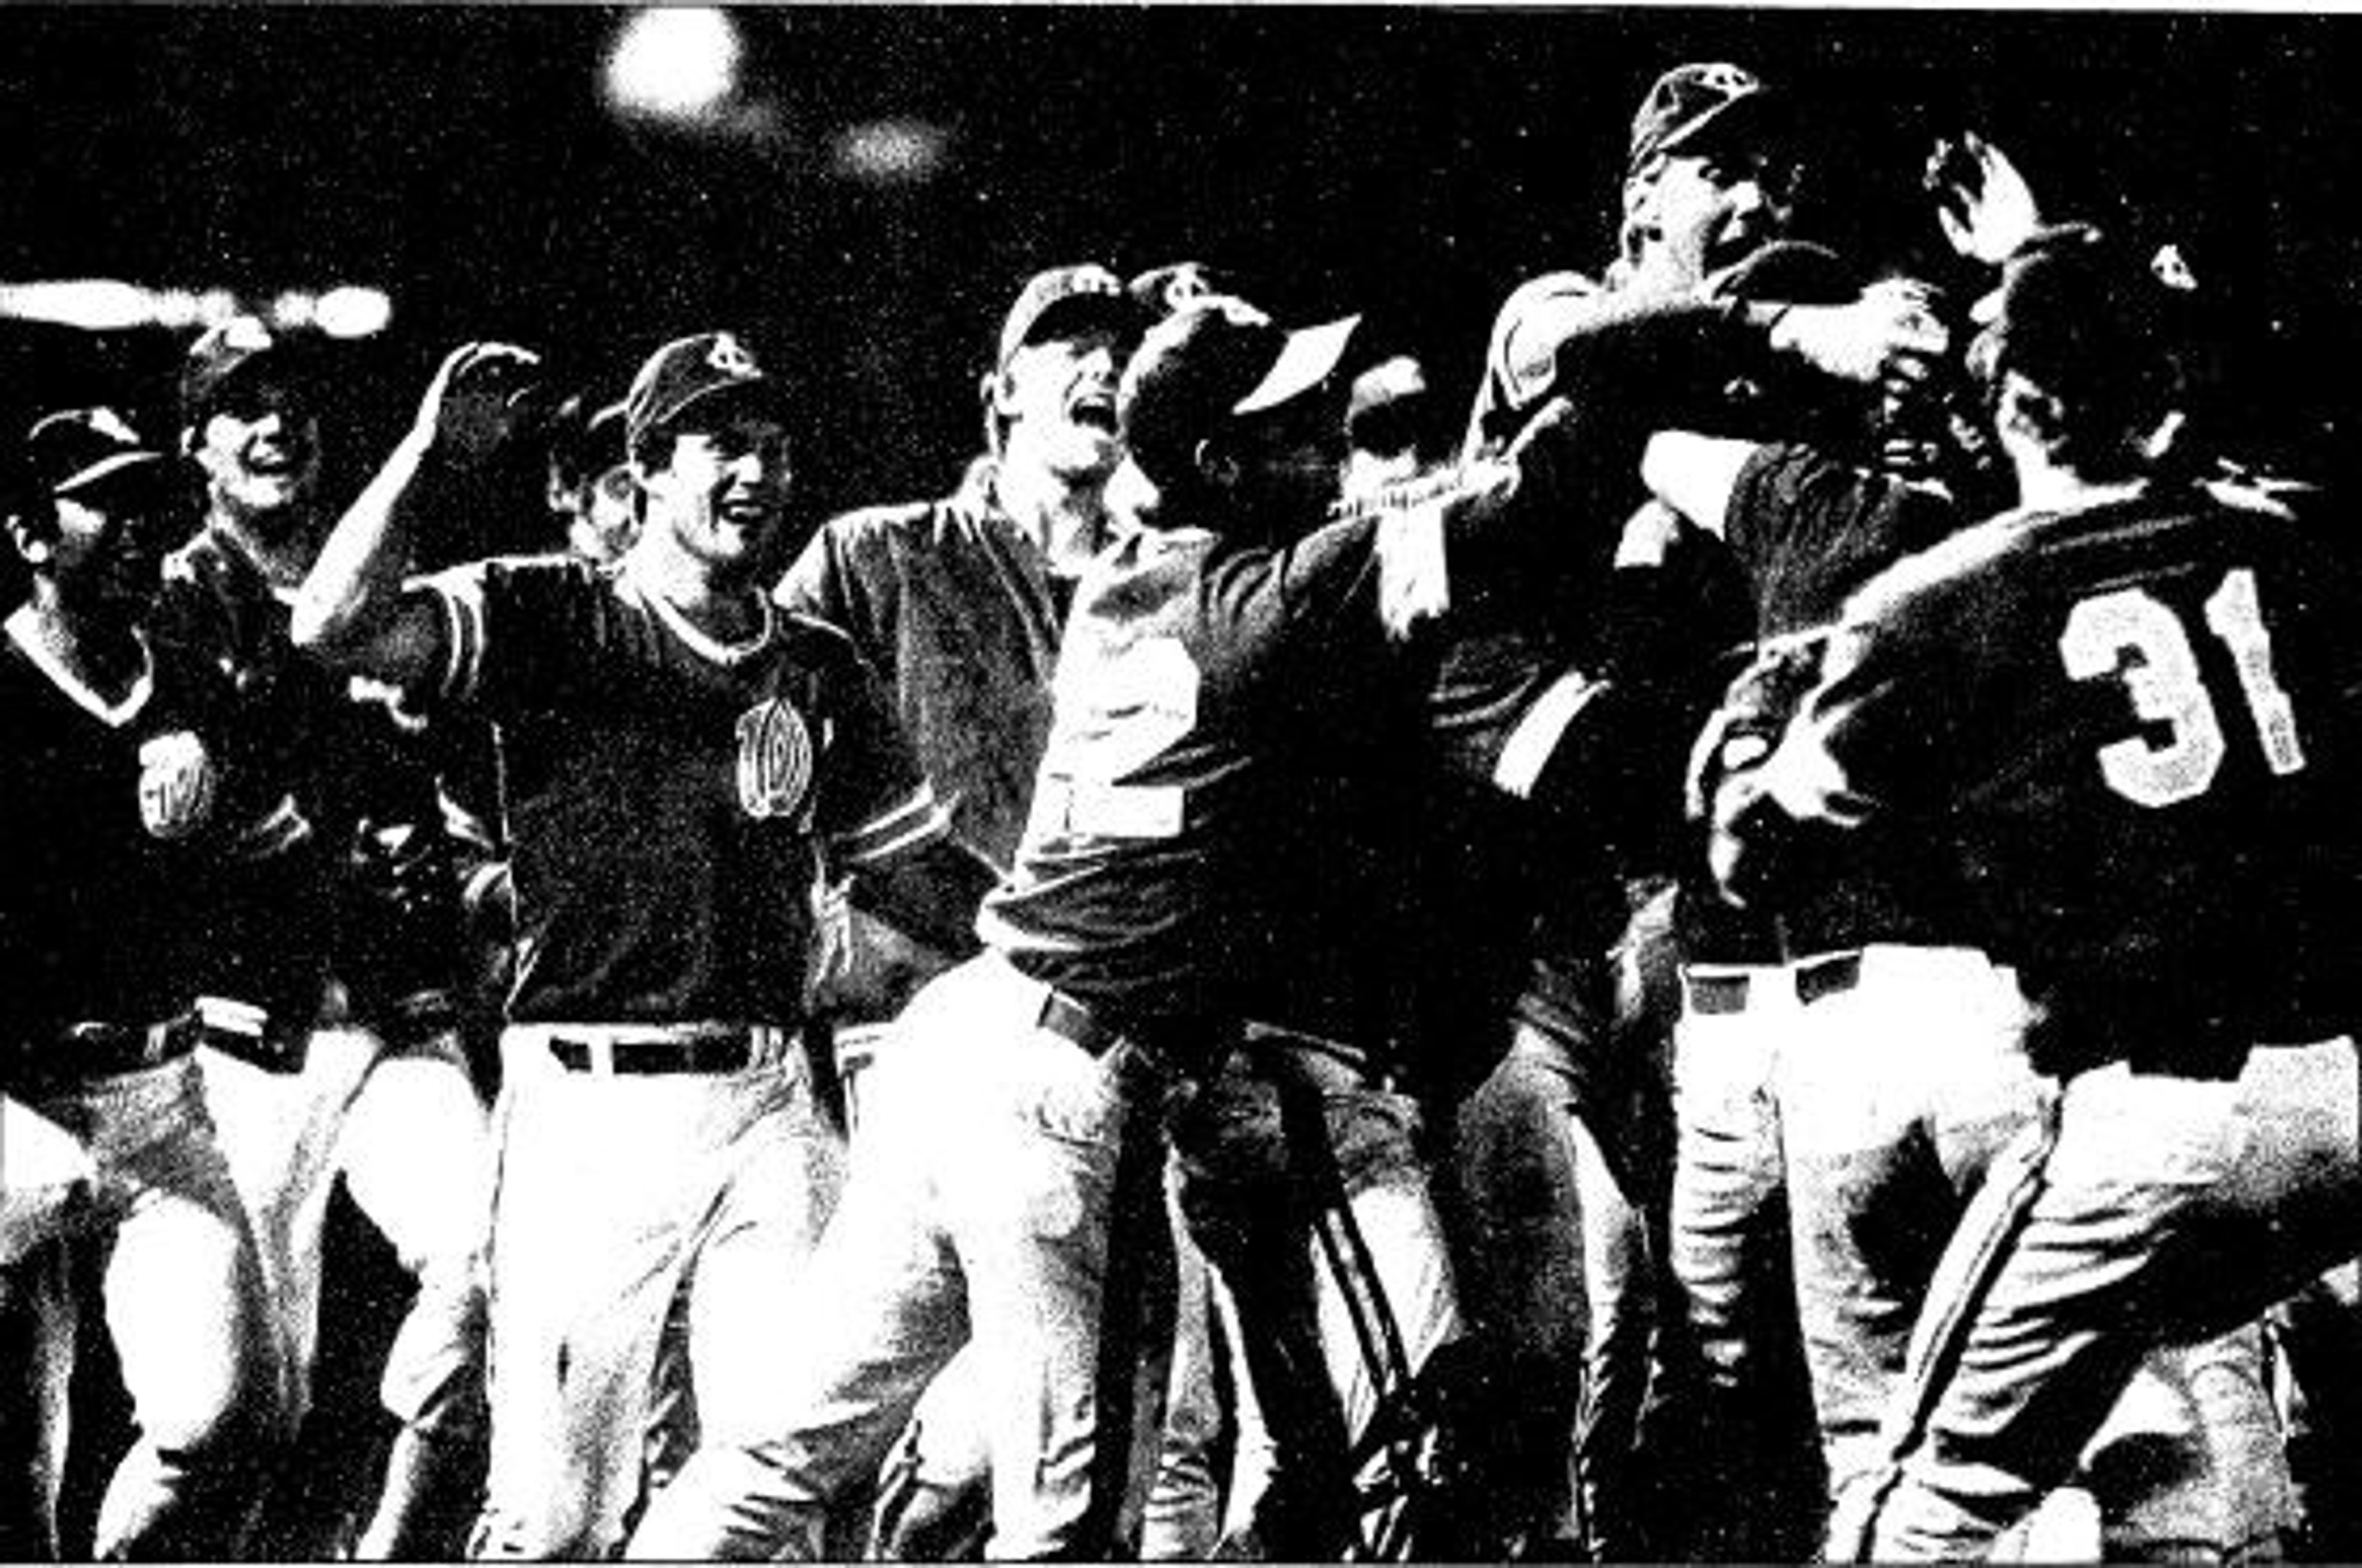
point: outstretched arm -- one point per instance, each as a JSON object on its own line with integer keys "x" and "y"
{"x": 351, "y": 610}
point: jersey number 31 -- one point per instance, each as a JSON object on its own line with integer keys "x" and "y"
{"x": 2167, "y": 688}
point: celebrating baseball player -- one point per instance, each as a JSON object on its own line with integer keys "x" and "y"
{"x": 680, "y": 761}
{"x": 340, "y": 927}
{"x": 2161, "y": 852}
{"x": 124, "y": 805}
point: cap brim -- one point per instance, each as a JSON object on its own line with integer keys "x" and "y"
{"x": 1308, "y": 358}
{"x": 104, "y": 468}
{"x": 1765, "y": 112}
{"x": 758, "y": 392}
{"x": 1077, "y": 312}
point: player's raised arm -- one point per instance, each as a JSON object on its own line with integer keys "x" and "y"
{"x": 351, "y": 610}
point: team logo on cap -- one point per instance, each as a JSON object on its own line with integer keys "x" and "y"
{"x": 775, "y": 759}
{"x": 176, "y": 785}
{"x": 730, "y": 356}
{"x": 1728, "y": 80}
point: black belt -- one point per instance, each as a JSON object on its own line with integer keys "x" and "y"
{"x": 1166, "y": 1054}
{"x": 721, "y": 1052}
{"x": 95, "y": 1049}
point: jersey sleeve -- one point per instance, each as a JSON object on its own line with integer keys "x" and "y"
{"x": 875, "y": 804}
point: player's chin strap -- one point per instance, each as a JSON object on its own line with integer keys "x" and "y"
{"x": 1987, "y": 1236}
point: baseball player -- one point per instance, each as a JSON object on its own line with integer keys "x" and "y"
{"x": 1582, "y": 688}
{"x": 679, "y": 759}
{"x": 340, "y": 926}
{"x": 122, "y": 799}
{"x": 589, "y": 479}
{"x": 1210, "y": 677}
{"x": 2161, "y": 852}
{"x": 1880, "y": 1145}
{"x": 958, "y": 604}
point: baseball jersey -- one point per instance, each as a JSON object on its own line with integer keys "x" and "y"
{"x": 1195, "y": 813}
{"x": 1806, "y": 529}
{"x": 2131, "y": 730}
{"x": 320, "y": 763}
{"x": 957, "y": 612}
{"x": 668, "y": 800}
{"x": 115, "y": 812}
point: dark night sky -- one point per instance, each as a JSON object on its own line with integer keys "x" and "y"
{"x": 1413, "y": 163}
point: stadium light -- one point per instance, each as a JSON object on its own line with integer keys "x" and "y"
{"x": 674, "y": 62}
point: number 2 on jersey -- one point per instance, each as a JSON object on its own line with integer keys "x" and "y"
{"x": 1125, "y": 711}
{"x": 2167, "y": 688}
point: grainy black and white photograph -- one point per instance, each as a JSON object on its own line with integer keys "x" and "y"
{"x": 1333, "y": 783}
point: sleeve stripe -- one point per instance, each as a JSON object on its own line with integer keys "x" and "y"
{"x": 917, "y": 819}
{"x": 463, "y": 616}
{"x": 1529, "y": 745}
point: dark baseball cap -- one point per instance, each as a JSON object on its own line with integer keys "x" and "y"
{"x": 691, "y": 370}
{"x": 1691, "y": 103}
{"x": 233, "y": 351}
{"x": 1216, "y": 360}
{"x": 1158, "y": 292}
{"x": 2082, "y": 317}
{"x": 1071, "y": 299}
{"x": 75, "y": 449}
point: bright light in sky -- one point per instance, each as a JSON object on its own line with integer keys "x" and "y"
{"x": 674, "y": 62}
{"x": 349, "y": 312}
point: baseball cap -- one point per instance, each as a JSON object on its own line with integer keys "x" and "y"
{"x": 690, "y": 370}
{"x": 70, "y": 451}
{"x": 1067, "y": 296}
{"x": 231, "y": 351}
{"x": 1689, "y": 101}
{"x": 1211, "y": 362}
{"x": 1158, "y": 292}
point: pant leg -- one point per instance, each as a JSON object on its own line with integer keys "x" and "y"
{"x": 1518, "y": 1178}
{"x": 1751, "y": 1481}
{"x": 39, "y": 1326}
{"x": 186, "y": 1309}
{"x": 279, "y": 1133}
{"x": 1182, "y": 1518}
{"x": 2316, "y": 1338}
{"x": 417, "y": 1156}
{"x": 1069, "y": 1262}
{"x": 2164, "y": 1210}
{"x": 2190, "y": 1466}
{"x": 1894, "y": 1094}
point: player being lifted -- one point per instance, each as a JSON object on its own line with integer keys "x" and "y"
{"x": 679, "y": 758}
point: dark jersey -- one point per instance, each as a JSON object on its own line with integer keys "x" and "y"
{"x": 2131, "y": 731}
{"x": 1806, "y": 530}
{"x": 957, "y": 612}
{"x": 322, "y": 764}
{"x": 1198, "y": 813}
{"x": 107, "y": 870}
{"x": 668, "y": 800}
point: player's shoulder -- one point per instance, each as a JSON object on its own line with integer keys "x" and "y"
{"x": 1963, "y": 564}
{"x": 1538, "y": 314}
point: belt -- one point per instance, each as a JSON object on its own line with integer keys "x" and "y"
{"x": 95, "y": 1049}
{"x": 1097, "y": 1035}
{"x": 620, "y": 1050}
{"x": 1808, "y": 980}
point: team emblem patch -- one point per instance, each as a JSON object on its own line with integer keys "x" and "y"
{"x": 775, "y": 759}
{"x": 730, "y": 356}
{"x": 176, "y": 782}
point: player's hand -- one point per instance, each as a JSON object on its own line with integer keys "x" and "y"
{"x": 1986, "y": 208}
{"x": 1893, "y": 333}
{"x": 480, "y": 397}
